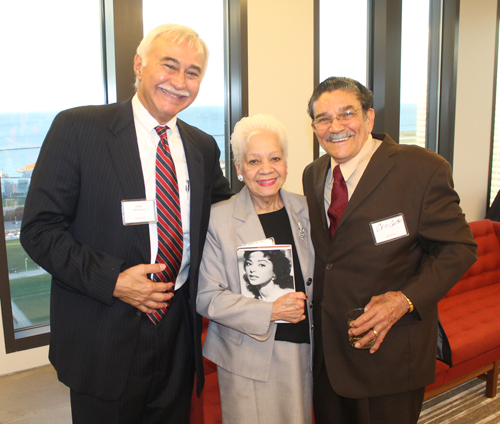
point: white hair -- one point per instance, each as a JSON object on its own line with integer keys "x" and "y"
{"x": 248, "y": 127}
{"x": 176, "y": 34}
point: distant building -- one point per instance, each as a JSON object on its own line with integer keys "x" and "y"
{"x": 15, "y": 187}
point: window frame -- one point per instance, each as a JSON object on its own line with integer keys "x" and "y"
{"x": 23, "y": 339}
{"x": 384, "y": 75}
{"x": 122, "y": 29}
{"x": 37, "y": 336}
{"x": 448, "y": 80}
{"x": 236, "y": 77}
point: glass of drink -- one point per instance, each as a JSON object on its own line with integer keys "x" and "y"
{"x": 353, "y": 315}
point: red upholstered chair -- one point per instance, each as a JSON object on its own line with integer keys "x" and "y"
{"x": 470, "y": 315}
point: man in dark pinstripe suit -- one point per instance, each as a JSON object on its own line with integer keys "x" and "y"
{"x": 119, "y": 366}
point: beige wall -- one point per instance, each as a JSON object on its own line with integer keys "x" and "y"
{"x": 475, "y": 77}
{"x": 281, "y": 73}
{"x": 281, "y": 66}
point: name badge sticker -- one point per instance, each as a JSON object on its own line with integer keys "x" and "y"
{"x": 389, "y": 229}
{"x": 136, "y": 212}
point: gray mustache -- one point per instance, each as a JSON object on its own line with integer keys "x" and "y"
{"x": 339, "y": 136}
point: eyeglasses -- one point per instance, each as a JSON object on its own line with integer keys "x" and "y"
{"x": 324, "y": 122}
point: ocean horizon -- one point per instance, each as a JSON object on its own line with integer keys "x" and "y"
{"x": 22, "y": 134}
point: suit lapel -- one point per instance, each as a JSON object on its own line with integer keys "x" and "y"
{"x": 379, "y": 166}
{"x": 323, "y": 165}
{"x": 250, "y": 229}
{"x": 195, "y": 165}
{"x": 297, "y": 213}
{"x": 124, "y": 153}
{"x": 196, "y": 172}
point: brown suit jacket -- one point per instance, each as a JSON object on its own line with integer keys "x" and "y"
{"x": 351, "y": 269}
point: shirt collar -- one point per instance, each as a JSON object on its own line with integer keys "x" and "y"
{"x": 350, "y": 166}
{"x": 144, "y": 118}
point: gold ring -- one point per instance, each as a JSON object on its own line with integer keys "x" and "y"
{"x": 374, "y": 332}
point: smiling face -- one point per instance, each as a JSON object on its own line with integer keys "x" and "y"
{"x": 259, "y": 269}
{"x": 263, "y": 166}
{"x": 171, "y": 79}
{"x": 342, "y": 141}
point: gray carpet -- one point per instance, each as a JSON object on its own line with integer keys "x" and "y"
{"x": 465, "y": 404}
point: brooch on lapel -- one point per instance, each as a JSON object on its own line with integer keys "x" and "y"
{"x": 302, "y": 232}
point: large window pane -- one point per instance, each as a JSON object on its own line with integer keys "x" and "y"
{"x": 414, "y": 71}
{"x": 412, "y": 67}
{"x": 52, "y": 61}
{"x": 207, "y": 19}
{"x": 343, "y": 39}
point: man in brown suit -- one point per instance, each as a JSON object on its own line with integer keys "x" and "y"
{"x": 399, "y": 245}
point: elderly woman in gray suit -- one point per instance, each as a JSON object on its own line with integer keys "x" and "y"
{"x": 264, "y": 367}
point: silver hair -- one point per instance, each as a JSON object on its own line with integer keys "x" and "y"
{"x": 176, "y": 34}
{"x": 247, "y": 127}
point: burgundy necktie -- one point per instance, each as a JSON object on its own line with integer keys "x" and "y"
{"x": 170, "y": 236}
{"x": 338, "y": 201}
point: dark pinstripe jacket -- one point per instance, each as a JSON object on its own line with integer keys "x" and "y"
{"x": 72, "y": 227}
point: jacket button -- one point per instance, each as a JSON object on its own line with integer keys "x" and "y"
{"x": 329, "y": 267}
{"x": 309, "y": 281}
{"x": 138, "y": 313}
{"x": 311, "y": 305}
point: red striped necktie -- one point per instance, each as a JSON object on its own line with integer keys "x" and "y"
{"x": 338, "y": 201}
{"x": 170, "y": 235}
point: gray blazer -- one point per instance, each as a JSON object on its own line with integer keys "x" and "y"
{"x": 240, "y": 336}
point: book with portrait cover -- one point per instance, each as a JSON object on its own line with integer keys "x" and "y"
{"x": 266, "y": 270}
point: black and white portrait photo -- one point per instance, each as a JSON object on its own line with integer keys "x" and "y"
{"x": 266, "y": 273}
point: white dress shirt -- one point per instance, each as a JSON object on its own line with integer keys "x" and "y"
{"x": 352, "y": 170}
{"x": 147, "y": 140}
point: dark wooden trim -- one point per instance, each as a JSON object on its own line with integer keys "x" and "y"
{"x": 488, "y": 373}
{"x": 33, "y": 341}
{"x": 7, "y": 317}
{"x": 108, "y": 46}
{"x": 433, "y": 74}
{"x": 124, "y": 32}
{"x": 236, "y": 41}
{"x": 385, "y": 63}
{"x": 448, "y": 91}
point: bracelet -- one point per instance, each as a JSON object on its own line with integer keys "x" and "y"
{"x": 411, "y": 308}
